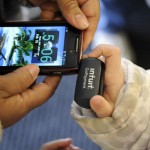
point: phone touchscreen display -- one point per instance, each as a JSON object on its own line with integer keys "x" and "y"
{"x": 43, "y": 46}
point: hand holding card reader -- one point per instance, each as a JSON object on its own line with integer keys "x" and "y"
{"x": 89, "y": 81}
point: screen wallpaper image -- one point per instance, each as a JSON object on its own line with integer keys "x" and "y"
{"x": 43, "y": 46}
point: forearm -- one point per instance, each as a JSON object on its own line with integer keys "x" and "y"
{"x": 129, "y": 126}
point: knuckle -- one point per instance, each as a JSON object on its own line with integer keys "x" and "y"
{"x": 70, "y": 4}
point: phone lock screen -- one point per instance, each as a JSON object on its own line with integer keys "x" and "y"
{"x": 43, "y": 46}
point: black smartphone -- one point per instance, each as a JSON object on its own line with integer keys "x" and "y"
{"x": 55, "y": 46}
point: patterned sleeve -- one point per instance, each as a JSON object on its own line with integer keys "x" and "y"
{"x": 129, "y": 126}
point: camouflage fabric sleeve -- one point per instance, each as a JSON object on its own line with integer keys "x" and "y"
{"x": 129, "y": 126}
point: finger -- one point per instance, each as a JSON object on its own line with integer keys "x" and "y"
{"x": 72, "y": 147}
{"x": 19, "y": 80}
{"x": 47, "y": 15}
{"x": 101, "y": 107}
{"x": 21, "y": 104}
{"x": 73, "y": 13}
{"x": 49, "y": 10}
{"x": 89, "y": 33}
{"x": 108, "y": 51}
{"x": 111, "y": 54}
{"x": 113, "y": 69}
{"x": 54, "y": 145}
{"x": 34, "y": 97}
{"x": 93, "y": 16}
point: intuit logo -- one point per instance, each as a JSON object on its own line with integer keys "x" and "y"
{"x": 88, "y": 78}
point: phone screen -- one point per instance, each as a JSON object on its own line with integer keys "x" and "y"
{"x": 43, "y": 46}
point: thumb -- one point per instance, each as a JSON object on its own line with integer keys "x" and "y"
{"x": 73, "y": 13}
{"x": 19, "y": 80}
{"x": 101, "y": 107}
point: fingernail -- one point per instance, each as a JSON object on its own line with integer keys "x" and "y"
{"x": 68, "y": 139}
{"x": 95, "y": 102}
{"x": 81, "y": 21}
{"x": 74, "y": 147}
{"x": 34, "y": 70}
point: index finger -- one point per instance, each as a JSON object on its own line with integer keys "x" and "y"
{"x": 110, "y": 53}
{"x": 82, "y": 14}
{"x": 91, "y": 9}
{"x": 73, "y": 13}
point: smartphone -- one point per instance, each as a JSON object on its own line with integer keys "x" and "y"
{"x": 55, "y": 46}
